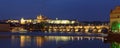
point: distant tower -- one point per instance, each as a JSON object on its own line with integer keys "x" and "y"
{"x": 22, "y": 21}
{"x": 115, "y": 19}
{"x": 40, "y": 18}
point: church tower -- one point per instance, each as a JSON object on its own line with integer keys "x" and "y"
{"x": 115, "y": 19}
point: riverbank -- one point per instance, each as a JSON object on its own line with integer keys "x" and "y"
{"x": 113, "y": 37}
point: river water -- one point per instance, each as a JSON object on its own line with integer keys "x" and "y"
{"x": 38, "y": 41}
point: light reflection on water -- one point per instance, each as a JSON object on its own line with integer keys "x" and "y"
{"x": 24, "y": 41}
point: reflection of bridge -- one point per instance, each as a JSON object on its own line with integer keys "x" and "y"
{"x": 64, "y": 28}
{"x": 41, "y": 40}
{"x": 66, "y": 38}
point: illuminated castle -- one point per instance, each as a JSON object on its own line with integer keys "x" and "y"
{"x": 41, "y": 18}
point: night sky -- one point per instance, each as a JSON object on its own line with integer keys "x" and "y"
{"x": 83, "y": 10}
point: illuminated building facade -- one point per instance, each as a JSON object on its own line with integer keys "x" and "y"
{"x": 115, "y": 19}
{"x": 12, "y": 21}
{"x": 40, "y": 19}
{"x": 25, "y": 21}
{"x": 60, "y": 22}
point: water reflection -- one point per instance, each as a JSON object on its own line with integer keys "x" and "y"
{"x": 24, "y": 41}
{"x": 67, "y": 38}
{"x": 57, "y": 38}
{"x": 40, "y": 40}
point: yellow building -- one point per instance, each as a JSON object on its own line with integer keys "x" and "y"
{"x": 115, "y": 19}
{"x": 25, "y": 21}
{"x": 40, "y": 19}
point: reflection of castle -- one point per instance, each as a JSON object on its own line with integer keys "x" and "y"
{"x": 115, "y": 19}
{"x": 27, "y": 40}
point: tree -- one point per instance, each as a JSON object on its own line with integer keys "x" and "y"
{"x": 115, "y": 26}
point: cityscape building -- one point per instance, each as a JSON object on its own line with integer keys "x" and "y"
{"x": 115, "y": 19}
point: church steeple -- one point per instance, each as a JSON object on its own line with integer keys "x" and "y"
{"x": 40, "y": 18}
